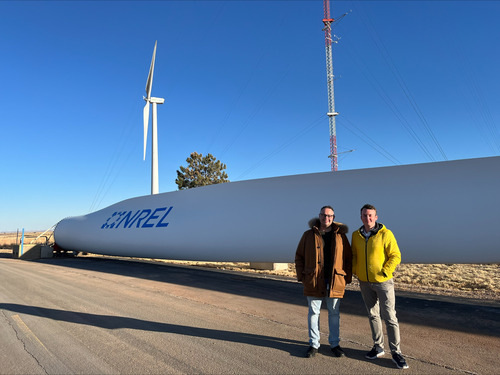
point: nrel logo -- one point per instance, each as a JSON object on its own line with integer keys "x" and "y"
{"x": 145, "y": 218}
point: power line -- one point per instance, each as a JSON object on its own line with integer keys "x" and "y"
{"x": 113, "y": 163}
{"x": 393, "y": 68}
{"x": 486, "y": 124}
{"x": 379, "y": 89}
{"x": 254, "y": 113}
{"x": 283, "y": 146}
{"x": 369, "y": 141}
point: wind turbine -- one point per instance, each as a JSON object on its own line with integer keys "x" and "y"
{"x": 154, "y": 146}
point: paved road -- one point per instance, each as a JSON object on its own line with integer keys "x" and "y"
{"x": 110, "y": 316}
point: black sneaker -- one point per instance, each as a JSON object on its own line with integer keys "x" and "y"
{"x": 311, "y": 352}
{"x": 338, "y": 351}
{"x": 375, "y": 353}
{"x": 399, "y": 360}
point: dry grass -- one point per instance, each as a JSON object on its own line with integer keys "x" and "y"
{"x": 473, "y": 281}
{"x": 7, "y": 239}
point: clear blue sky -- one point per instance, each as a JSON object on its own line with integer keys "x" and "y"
{"x": 416, "y": 82}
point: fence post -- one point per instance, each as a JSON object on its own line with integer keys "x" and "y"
{"x": 22, "y": 242}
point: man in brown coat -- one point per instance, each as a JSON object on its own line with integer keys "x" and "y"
{"x": 323, "y": 262}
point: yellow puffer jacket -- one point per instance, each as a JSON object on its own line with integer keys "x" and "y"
{"x": 376, "y": 259}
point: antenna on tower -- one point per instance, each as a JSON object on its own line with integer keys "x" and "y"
{"x": 154, "y": 142}
{"x": 327, "y": 21}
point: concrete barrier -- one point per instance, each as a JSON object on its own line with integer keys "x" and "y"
{"x": 268, "y": 266}
{"x": 32, "y": 251}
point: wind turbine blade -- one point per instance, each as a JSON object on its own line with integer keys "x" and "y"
{"x": 149, "y": 83}
{"x": 146, "y": 120}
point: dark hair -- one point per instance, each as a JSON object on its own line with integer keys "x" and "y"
{"x": 368, "y": 207}
{"x": 330, "y": 207}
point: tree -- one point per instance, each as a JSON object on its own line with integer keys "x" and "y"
{"x": 201, "y": 171}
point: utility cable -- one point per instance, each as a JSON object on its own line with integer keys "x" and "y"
{"x": 113, "y": 161}
{"x": 284, "y": 145}
{"x": 368, "y": 140}
{"x": 387, "y": 58}
{"x": 254, "y": 113}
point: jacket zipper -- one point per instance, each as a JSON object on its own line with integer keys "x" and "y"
{"x": 366, "y": 258}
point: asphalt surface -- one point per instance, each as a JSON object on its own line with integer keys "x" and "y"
{"x": 117, "y": 316}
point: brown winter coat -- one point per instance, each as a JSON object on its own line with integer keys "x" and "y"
{"x": 309, "y": 262}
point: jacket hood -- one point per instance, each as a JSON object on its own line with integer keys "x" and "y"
{"x": 376, "y": 229}
{"x": 314, "y": 223}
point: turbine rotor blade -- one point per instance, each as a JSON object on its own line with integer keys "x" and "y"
{"x": 146, "y": 120}
{"x": 149, "y": 82}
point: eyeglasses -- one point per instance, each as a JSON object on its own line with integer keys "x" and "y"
{"x": 323, "y": 215}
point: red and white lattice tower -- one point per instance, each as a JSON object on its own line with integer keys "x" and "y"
{"x": 327, "y": 21}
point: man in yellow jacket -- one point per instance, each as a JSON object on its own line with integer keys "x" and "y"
{"x": 375, "y": 255}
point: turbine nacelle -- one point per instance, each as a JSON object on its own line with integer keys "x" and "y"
{"x": 155, "y": 100}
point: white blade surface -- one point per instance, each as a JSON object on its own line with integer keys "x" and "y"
{"x": 149, "y": 83}
{"x": 158, "y": 226}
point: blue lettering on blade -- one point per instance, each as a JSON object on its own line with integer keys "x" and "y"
{"x": 145, "y": 218}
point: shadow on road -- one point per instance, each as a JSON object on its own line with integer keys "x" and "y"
{"x": 295, "y": 348}
{"x": 430, "y": 313}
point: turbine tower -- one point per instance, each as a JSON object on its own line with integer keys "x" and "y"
{"x": 154, "y": 140}
{"x": 327, "y": 21}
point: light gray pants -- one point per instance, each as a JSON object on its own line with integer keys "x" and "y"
{"x": 380, "y": 301}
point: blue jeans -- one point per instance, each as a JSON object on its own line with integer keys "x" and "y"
{"x": 333, "y": 306}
